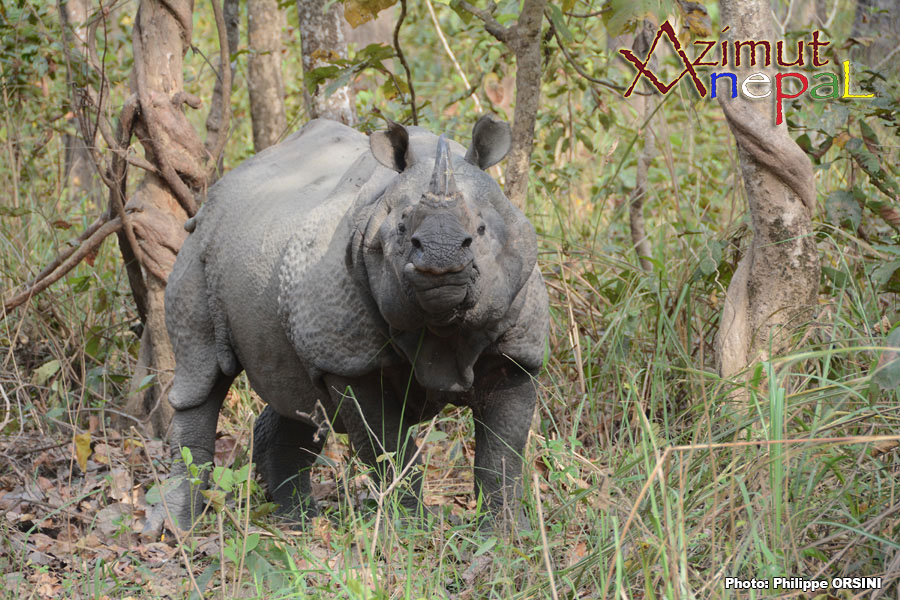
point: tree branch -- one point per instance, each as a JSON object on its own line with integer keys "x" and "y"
{"x": 132, "y": 254}
{"x": 219, "y": 118}
{"x": 583, "y": 73}
{"x": 399, "y": 51}
{"x": 462, "y": 74}
{"x": 503, "y": 34}
{"x": 65, "y": 265}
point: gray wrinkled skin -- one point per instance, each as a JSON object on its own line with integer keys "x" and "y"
{"x": 382, "y": 278}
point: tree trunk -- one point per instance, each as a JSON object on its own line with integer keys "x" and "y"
{"x": 81, "y": 177}
{"x": 161, "y": 203}
{"x": 773, "y": 291}
{"x": 641, "y": 46}
{"x": 216, "y": 121}
{"x": 526, "y": 43}
{"x": 321, "y": 38}
{"x": 265, "y": 22}
{"x": 877, "y": 26}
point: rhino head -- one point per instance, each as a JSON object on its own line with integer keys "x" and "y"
{"x": 443, "y": 248}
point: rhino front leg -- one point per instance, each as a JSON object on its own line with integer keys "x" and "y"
{"x": 377, "y": 423}
{"x": 505, "y": 399}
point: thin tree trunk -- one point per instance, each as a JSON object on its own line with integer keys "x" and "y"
{"x": 641, "y": 46}
{"x": 773, "y": 291}
{"x": 265, "y": 22}
{"x": 232, "y": 14}
{"x": 81, "y": 177}
{"x": 526, "y": 43}
{"x": 216, "y": 121}
{"x": 321, "y": 37}
{"x": 161, "y": 203}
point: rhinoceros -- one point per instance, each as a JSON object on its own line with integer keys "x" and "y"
{"x": 374, "y": 279}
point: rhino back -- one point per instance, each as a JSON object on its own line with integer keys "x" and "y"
{"x": 288, "y": 194}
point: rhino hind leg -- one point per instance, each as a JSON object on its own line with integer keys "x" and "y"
{"x": 193, "y": 428}
{"x": 197, "y": 392}
{"x": 284, "y": 451}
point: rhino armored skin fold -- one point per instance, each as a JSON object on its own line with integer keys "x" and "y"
{"x": 379, "y": 279}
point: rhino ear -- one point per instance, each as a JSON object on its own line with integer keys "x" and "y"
{"x": 391, "y": 147}
{"x": 491, "y": 141}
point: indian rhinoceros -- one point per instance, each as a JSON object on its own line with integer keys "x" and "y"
{"x": 378, "y": 279}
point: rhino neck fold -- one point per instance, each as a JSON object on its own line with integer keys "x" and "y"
{"x": 442, "y": 363}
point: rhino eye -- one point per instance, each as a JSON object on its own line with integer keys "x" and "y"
{"x": 401, "y": 228}
{"x": 481, "y": 229}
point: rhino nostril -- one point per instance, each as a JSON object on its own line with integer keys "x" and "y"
{"x": 416, "y": 242}
{"x": 467, "y": 242}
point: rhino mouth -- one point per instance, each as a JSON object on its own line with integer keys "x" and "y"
{"x": 439, "y": 293}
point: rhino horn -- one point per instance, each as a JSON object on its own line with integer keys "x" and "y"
{"x": 443, "y": 185}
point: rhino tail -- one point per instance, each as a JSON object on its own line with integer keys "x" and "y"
{"x": 228, "y": 362}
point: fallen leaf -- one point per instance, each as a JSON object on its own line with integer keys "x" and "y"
{"x": 226, "y": 450}
{"x": 121, "y": 484}
{"x": 101, "y": 453}
{"x": 114, "y": 518}
{"x": 577, "y": 553}
{"x": 83, "y": 449}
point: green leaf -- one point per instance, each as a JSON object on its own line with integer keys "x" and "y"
{"x": 241, "y": 475}
{"x": 318, "y": 75}
{"x": 435, "y": 436}
{"x": 464, "y": 15}
{"x": 358, "y": 12}
{"x": 887, "y": 373}
{"x": 376, "y": 52}
{"x": 485, "y": 546}
{"x": 884, "y": 274}
{"x": 343, "y": 79}
{"x": 621, "y": 16}
{"x": 204, "y": 578}
{"x": 710, "y": 259}
{"x": 223, "y": 477}
{"x": 839, "y": 279}
{"x": 80, "y": 283}
{"x": 559, "y": 21}
{"x": 146, "y": 382}
{"x": 262, "y": 568}
{"x": 252, "y": 541}
{"x": 216, "y": 499}
{"x": 868, "y": 134}
{"x": 46, "y": 371}
{"x": 843, "y": 210}
{"x": 156, "y": 493}
{"x": 385, "y": 456}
